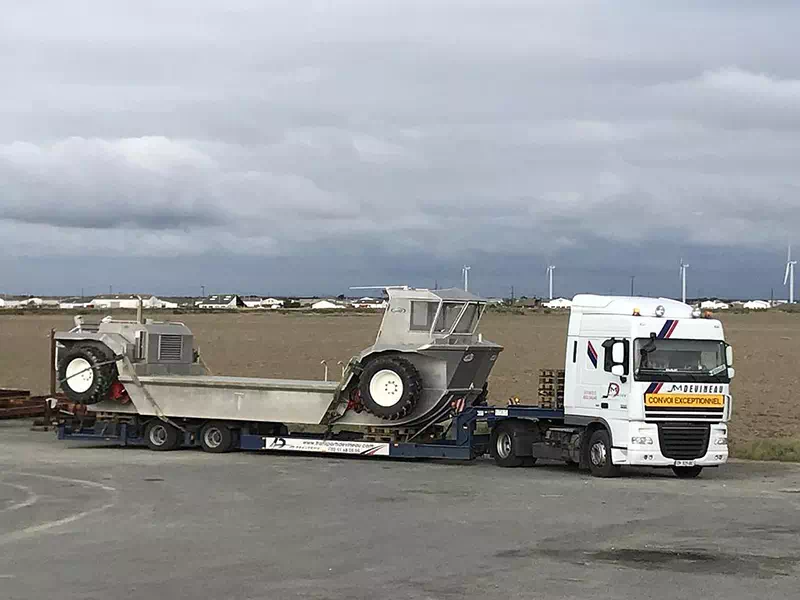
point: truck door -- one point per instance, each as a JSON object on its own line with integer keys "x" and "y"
{"x": 600, "y": 393}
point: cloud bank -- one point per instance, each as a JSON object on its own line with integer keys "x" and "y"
{"x": 436, "y": 133}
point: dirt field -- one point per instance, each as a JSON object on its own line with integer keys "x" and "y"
{"x": 271, "y": 345}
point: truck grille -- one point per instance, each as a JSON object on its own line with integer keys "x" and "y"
{"x": 707, "y": 415}
{"x": 683, "y": 441}
{"x": 170, "y": 348}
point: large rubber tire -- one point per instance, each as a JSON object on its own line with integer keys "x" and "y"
{"x": 162, "y": 436}
{"x": 503, "y": 446}
{"x": 84, "y": 377}
{"x": 599, "y": 451}
{"x": 216, "y": 437}
{"x": 390, "y": 387}
{"x": 687, "y": 472}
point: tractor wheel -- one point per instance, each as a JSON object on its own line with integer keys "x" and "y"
{"x": 600, "y": 455}
{"x": 390, "y": 387}
{"x": 503, "y": 446}
{"x": 84, "y": 377}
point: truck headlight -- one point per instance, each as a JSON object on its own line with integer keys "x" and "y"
{"x": 721, "y": 441}
{"x": 644, "y": 440}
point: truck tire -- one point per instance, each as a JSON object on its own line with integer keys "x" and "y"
{"x": 160, "y": 435}
{"x": 216, "y": 437}
{"x": 687, "y": 472}
{"x": 599, "y": 454}
{"x": 503, "y": 446}
{"x": 84, "y": 377}
{"x": 390, "y": 387}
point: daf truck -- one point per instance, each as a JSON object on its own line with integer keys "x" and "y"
{"x": 646, "y": 383}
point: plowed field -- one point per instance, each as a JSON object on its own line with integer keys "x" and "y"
{"x": 292, "y": 346}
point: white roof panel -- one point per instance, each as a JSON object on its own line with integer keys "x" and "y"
{"x": 625, "y": 305}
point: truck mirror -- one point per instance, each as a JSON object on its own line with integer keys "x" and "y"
{"x": 729, "y": 355}
{"x": 618, "y": 353}
{"x": 731, "y": 372}
{"x": 618, "y": 370}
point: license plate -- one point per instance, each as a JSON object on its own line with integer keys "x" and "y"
{"x": 684, "y": 463}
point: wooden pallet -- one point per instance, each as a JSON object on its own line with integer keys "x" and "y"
{"x": 551, "y": 373}
{"x": 551, "y": 388}
{"x": 551, "y": 405}
{"x": 18, "y": 404}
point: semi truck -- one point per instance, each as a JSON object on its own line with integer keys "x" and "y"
{"x": 646, "y": 383}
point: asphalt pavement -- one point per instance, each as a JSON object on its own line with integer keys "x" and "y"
{"x": 83, "y": 522}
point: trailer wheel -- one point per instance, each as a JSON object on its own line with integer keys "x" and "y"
{"x": 503, "y": 446}
{"x": 216, "y": 437}
{"x": 84, "y": 377}
{"x": 687, "y": 472}
{"x": 162, "y": 436}
{"x": 390, "y": 387}
{"x": 599, "y": 451}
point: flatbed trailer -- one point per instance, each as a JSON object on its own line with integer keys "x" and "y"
{"x": 463, "y": 443}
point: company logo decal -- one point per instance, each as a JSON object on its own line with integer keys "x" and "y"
{"x": 685, "y": 388}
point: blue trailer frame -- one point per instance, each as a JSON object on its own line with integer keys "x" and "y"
{"x": 466, "y": 445}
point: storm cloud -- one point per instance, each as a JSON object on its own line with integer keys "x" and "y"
{"x": 316, "y": 145}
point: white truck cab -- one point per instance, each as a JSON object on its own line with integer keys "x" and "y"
{"x": 655, "y": 375}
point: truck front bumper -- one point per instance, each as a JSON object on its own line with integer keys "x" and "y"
{"x": 644, "y": 450}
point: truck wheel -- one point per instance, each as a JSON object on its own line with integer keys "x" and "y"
{"x": 599, "y": 451}
{"x": 216, "y": 437}
{"x": 162, "y": 436}
{"x": 390, "y": 387}
{"x": 83, "y": 376}
{"x": 687, "y": 472}
{"x": 502, "y": 446}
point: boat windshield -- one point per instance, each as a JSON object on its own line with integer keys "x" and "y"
{"x": 458, "y": 317}
{"x": 468, "y": 322}
{"x": 448, "y": 315}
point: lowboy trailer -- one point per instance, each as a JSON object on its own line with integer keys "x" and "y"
{"x": 465, "y": 443}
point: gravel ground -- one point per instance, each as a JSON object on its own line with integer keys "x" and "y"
{"x": 81, "y": 522}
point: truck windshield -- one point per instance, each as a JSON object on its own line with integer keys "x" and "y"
{"x": 680, "y": 360}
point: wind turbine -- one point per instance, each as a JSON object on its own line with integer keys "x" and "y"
{"x": 788, "y": 277}
{"x": 550, "y": 270}
{"x": 465, "y": 271}
{"x": 684, "y": 266}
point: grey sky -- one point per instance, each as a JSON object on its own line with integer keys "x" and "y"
{"x": 303, "y": 147}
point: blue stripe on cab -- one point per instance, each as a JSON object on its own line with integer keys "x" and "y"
{"x": 665, "y": 329}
